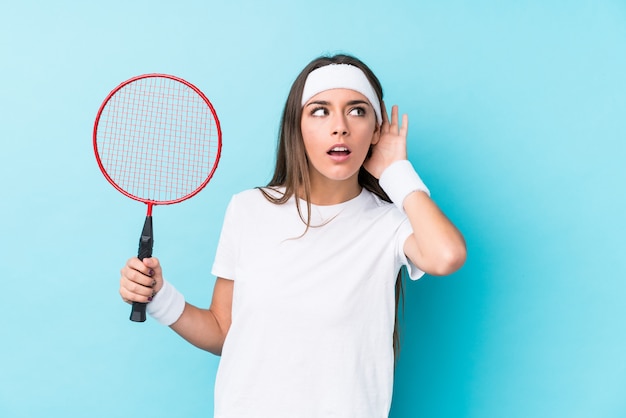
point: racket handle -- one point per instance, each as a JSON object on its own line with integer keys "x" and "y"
{"x": 138, "y": 313}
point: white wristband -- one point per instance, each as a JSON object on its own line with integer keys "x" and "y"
{"x": 167, "y": 305}
{"x": 399, "y": 180}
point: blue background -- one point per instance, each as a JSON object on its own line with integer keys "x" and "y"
{"x": 517, "y": 124}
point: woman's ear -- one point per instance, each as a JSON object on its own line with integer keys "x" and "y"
{"x": 376, "y": 134}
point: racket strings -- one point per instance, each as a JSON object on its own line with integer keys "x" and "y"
{"x": 158, "y": 139}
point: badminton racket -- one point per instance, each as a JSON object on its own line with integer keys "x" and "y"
{"x": 157, "y": 140}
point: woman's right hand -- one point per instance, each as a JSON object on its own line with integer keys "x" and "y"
{"x": 140, "y": 280}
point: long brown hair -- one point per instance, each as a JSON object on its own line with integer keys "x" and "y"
{"x": 292, "y": 168}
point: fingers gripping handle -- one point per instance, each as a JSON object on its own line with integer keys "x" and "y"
{"x": 138, "y": 314}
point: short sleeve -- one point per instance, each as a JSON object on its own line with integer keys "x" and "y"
{"x": 226, "y": 256}
{"x": 404, "y": 232}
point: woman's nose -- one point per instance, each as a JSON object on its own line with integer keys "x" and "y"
{"x": 340, "y": 125}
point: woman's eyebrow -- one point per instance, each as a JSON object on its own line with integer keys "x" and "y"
{"x": 349, "y": 103}
{"x": 358, "y": 101}
{"x": 319, "y": 102}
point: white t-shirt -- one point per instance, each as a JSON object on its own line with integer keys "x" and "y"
{"x": 313, "y": 314}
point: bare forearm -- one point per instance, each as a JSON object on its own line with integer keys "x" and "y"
{"x": 201, "y": 328}
{"x": 437, "y": 246}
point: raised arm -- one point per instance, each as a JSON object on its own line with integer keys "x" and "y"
{"x": 437, "y": 247}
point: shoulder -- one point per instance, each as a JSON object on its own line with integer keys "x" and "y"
{"x": 255, "y": 196}
{"x": 373, "y": 207}
{"x": 247, "y": 195}
{"x": 255, "y": 201}
{"x": 374, "y": 202}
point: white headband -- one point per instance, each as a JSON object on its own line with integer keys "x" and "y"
{"x": 340, "y": 76}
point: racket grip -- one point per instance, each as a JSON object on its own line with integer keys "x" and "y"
{"x": 146, "y": 242}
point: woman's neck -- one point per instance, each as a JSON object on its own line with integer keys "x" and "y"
{"x": 329, "y": 192}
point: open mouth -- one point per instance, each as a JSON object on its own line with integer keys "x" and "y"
{"x": 339, "y": 151}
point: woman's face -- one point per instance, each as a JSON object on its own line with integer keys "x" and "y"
{"x": 338, "y": 127}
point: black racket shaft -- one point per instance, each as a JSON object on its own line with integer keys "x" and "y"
{"x": 138, "y": 313}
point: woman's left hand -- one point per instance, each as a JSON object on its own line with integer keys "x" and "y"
{"x": 391, "y": 144}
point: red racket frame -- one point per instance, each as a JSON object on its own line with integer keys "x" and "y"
{"x": 149, "y": 202}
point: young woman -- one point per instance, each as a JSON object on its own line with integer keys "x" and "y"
{"x": 304, "y": 305}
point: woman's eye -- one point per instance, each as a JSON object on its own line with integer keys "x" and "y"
{"x": 319, "y": 111}
{"x": 357, "y": 111}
